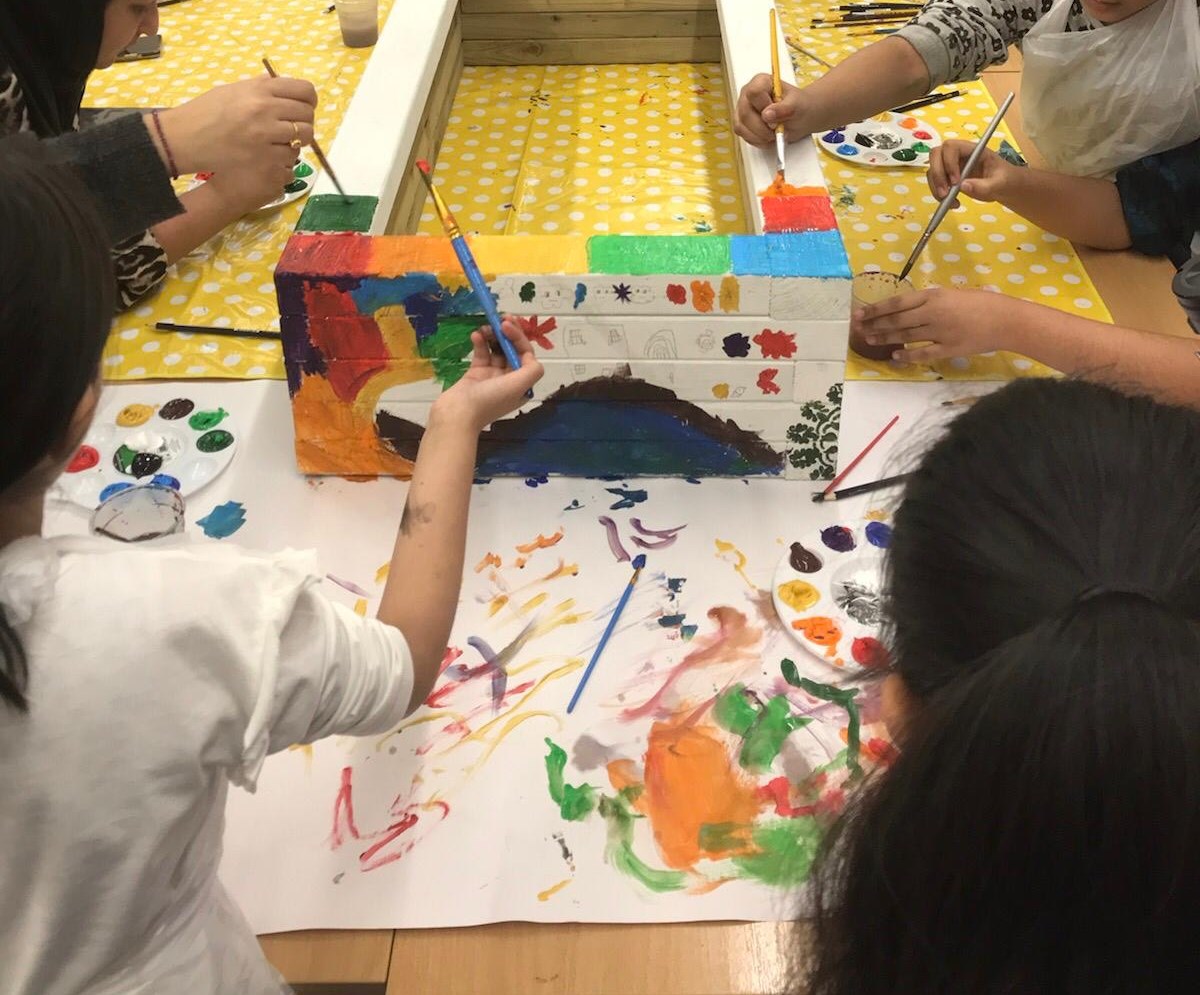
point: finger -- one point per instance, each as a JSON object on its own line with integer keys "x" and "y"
{"x": 298, "y": 90}
{"x": 760, "y": 92}
{"x": 285, "y": 132}
{"x": 939, "y": 186}
{"x": 922, "y": 354}
{"x": 516, "y": 335}
{"x": 893, "y": 305}
{"x": 750, "y": 126}
{"x": 481, "y": 355}
{"x": 898, "y": 335}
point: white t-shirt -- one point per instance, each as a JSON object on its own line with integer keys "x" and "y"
{"x": 158, "y": 676}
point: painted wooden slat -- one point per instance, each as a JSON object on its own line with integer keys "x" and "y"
{"x": 609, "y": 24}
{"x": 590, "y": 51}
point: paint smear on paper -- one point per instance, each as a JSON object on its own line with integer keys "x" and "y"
{"x": 657, "y": 533}
{"x": 575, "y": 802}
{"x": 799, "y": 595}
{"x": 348, "y": 585}
{"x": 762, "y": 728}
{"x": 782, "y": 852}
{"x": 554, "y": 889}
{"x": 614, "y": 539}
{"x": 489, "y": 560}
{"x": 626, "y": 497}
{"x": 173, "y": 410}
{"x": 224, "y": 520}
{"x": 703, "y": 296}
{"x": 541, "y": 542}
{"x": 619, "y": 816}
{"x": 728, "y": 552}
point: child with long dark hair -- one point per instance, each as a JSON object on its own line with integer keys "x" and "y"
{"x": 136, "y": 684}
{"x": 1040, "y": 829}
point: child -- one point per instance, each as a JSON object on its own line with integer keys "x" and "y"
{"x": 47, "y": 52}
{"x": 136, "y": 683}
{"x": 947, "y": 323}
{"x": 1037, "y": 833}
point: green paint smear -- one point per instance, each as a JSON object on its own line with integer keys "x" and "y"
{"x": 202, "y": 421}
{"x": 450, "y": 348}
{"x": 214, "y": 442}
{"x": 786, "y": 850}
{"x": 123, "y": 458}
{"x": 648, "y": 255}
{"x": 574, "y": 803}
{"x": 733, "y": 712}
{"x": 845, "y": 697}
{"x": 619, "y": 816}
{"x": 302, "y": 171}
{"x": 333, "y": 212}
{"x": 528, "y": 292}
{"x": 763, "y": 729}
{"x": 721, "y": 837}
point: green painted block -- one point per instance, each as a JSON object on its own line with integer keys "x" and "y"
{"x": 647, "y": 255}
{"x": 333, "y": 212}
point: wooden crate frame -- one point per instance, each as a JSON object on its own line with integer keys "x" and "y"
{"x": 673, "y": 355}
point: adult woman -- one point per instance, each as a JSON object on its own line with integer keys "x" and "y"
{"x": 47, "y": 52}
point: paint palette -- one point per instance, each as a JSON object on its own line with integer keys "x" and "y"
{"x": 889, "y": 139}
{"x": 827, "y": 592}
{"x": 178, "y": 444}
{"x": 304, "y": 175}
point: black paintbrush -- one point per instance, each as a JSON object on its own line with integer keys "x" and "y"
{"x": 233, "y": 333}
{"x": 874, "y": 485}
{"x": 933, "y": 98}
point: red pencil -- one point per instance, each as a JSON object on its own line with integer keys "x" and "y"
{"x": 859, "y": 458}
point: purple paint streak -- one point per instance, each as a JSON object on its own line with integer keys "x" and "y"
{"x": 499, "y": 674}
{"x": 614, "y": 539}
{"x": 349, "y": 585}
{"x": 668, "y": 533}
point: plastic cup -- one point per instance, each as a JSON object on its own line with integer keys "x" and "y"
{"x": 871, "y": 288}
{"x": 359, "y": 20}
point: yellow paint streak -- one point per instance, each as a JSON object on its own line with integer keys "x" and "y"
{"x": 421, "y": 720}
{"x": 533, "y": 603}
{"x": 728, "y": 552}
{"x": 569, "y": 667}
{"x": 307, "y": 750}
{"x": 498, "y": 602}
{"x": 545, "y": 896}
{"x": 360, "y": 607}
{"x": 382, "y": 573}
{"x": 512, "y": 724}
{"x": 876, "y": 514}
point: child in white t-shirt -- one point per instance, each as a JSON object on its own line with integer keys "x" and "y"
{"x": 137, "y": 683}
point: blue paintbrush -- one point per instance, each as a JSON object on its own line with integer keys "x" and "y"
{"x": 470, "y": 268}
{"x": 639, "y": 561}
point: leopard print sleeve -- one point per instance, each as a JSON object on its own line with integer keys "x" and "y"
{"x": 13, "y": 116}
{"x": 141, "y": 265}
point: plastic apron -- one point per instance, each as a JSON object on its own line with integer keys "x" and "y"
{"x": 1094, "y": 101}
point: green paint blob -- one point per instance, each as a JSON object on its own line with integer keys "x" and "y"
{"x": 574, "y": 803}
{"x": 302, "y": 171}
{"x": 648, "y": 255}
{"x": 333, "y": 212}
{"x": 202, "y": 421}
{"x": 733, "y": 712}
{"x": 528, "y": 292}
{"x": 214, "y": 442}
{"x": 920, "y": 147}
{"x": 786, "y": 850}
{"x": 763, "y": 729}
{"x": 906, "y": 155}
{"x": 845, "y": 697}
{"x": 123, "y": 458}
{"x": 619, "y": 817}
{"x": 450, "y": 348}
{"x": 296, "y": 186}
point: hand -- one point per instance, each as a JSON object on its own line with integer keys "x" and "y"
{"x": 247, "y": 189}
{"x": 989, "y": 179}
{"x": 757, "y": 113}
{"x": 945, "y": 323}
{"x": 241, "y": 125}
{"x": 489, "y": 390}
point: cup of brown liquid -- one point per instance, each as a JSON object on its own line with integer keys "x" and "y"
{"x": 359, "y": 20}
{"x": 871, "y": 288}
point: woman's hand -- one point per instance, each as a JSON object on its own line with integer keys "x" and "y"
{"x": 242, "y": 125}
{"x": 989, "y": 180}
{"x": 489, "y": 390}
{"x": 757, "y": 113}
{"x": 943, "y": 323}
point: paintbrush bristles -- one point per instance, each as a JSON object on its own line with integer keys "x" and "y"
{"x": 315, "y": 147}
{"x": 449, "y": 222}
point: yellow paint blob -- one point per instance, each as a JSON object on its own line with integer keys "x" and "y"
{"x": 133, "y": 415}
{"x": 720, "y": 391}
{"x": 799, "y": 595}
{"x": 731, "y": 294}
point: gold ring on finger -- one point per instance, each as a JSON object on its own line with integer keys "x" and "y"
{"x": 295, "y": 142}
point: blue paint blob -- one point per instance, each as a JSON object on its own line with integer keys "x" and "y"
{"x": 847, "y": 150}
{"x": 580, "y": 294}
{"x": 675, "y": 584}
{"x": 626, "y": 498}
{"x": 838, "y": 538}
{"x": 112, "y": 489}
{"x": 671, "y": 621}
{"x": 833, "y": 137}
{"x": 165, "y": 480}
{"x": 879, "y": 534}
{"x": 224, "y": 520}
{"x": 537, "y": 481}
{"x": 687, "y": 631}
{"x": 574, "y": 505}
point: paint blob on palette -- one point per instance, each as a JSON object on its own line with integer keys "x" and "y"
{"x": 180, "y": 444}
{"x": 303, "y": 178}
{"x": 828, "y": 592}
{"x": 889, "y": 139}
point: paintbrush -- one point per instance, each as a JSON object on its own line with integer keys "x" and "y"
{"x": 857, "y": 459}
{"x": 233, "y": 333}
{"x": 857, "y": 489}
{"x": 777, "y": 91}
{"x": 639, "y": 562}
{"x": 471, "y": 268}
{"x": 933, "y": 98}
{"x": 315, "y": 147}
{"x": 944, "y": 207}
{"x": 791, "y": 43}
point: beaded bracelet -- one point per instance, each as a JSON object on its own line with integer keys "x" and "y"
{"x": 166, "y": 148}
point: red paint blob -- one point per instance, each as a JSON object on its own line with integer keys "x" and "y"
{"x": 423, "y": 166}
{"x": 870, "y": 653}
{"x": 676, "y": 294}
{"x": 85, "y": 459}
{"x": 923, "y": 135}
{"x": 766, "y": 382}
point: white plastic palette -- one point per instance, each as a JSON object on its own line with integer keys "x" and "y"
{"x": 304, "y": 175}
{"x": 181, "y": 444}
{"x": 889, "y": 139}
{"x": 826, "y": 591}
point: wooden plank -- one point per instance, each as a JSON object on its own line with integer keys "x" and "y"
{"x": 564, "y": 6}
{"x": 328, "y": 956}
{"x": 541, "y": 27}
{"x": 574, "y": 959}
{"x": 591, "y": 51}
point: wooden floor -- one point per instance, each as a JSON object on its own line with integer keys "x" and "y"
{"x": 686, "y": 959}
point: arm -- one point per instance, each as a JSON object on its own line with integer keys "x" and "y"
{"x": 944, "y": 323}
{"x": 422, "y": 591}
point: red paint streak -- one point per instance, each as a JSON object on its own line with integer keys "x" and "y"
{"x": 351, "y": 343}
{"x": 390, "y": 835}
{"x": 85, "y": 459}
{"x": 734, "y": 642}
{"x": 796, "y": 214}
{"x": 452, "y": 653}
{"x": 779, "y": 792}
{"x": 423, "y": 166}
{"x": 776, "y": 345}
{"x": 766, "y": 382}
{"x": 644, "y": 97}
{"x": 676, "y": 293}
{"x": 343, "y": 810}
{"x": 538, "y": 330}
{"x": 879, "y": 750}
{"x": 869, "y": 652}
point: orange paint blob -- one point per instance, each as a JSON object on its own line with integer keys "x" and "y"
{"x": 489, "y": 560}
{"x": 909, "y": 123}
{"x": 703, "y": 296}
{"x": 691, "y": 783}
{"x": 541, "y": 542}
{"x": 822, "y": 630}
{"x": 781, "y": 188}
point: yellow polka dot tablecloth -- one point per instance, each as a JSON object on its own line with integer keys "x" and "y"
{"x": 882, "y": 211}
{"x": 227, "y": 282}
{"x": 586, "y": 149}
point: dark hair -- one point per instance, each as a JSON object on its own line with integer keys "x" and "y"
{"x": 1039, "y": 831}
{"x": 56, "y": 305}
